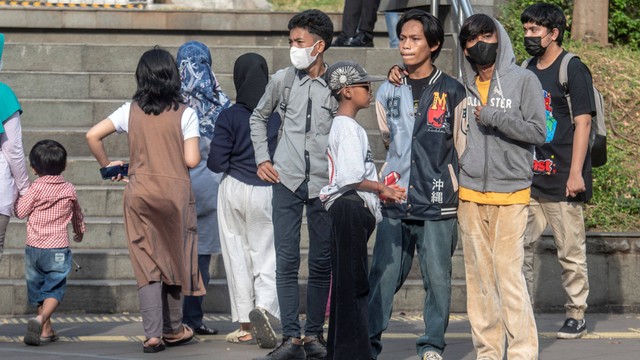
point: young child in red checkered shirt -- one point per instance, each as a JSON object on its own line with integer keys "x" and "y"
{"x": 50, "y": 203}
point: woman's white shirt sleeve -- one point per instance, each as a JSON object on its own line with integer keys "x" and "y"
{"x": 120, "y": 118}
{"x": 190, "y": 124}
{"x": 189, "y": 121}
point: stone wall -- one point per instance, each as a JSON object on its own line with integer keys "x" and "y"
{"x": 613, "y": 261}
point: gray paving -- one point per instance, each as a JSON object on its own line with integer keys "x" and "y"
{"x": 119, "y": 337}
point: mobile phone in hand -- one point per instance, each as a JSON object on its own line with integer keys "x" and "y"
{"x": 109, "y": 172}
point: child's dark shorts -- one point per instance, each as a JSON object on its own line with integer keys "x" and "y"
{"x": 46, "y": 273}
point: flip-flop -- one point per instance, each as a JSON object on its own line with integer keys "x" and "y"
{"x": 34, "y": 329}
{"x": 51, "y": 338}
{"x": 187, "y": 335}
{"x": 152, "y": 349}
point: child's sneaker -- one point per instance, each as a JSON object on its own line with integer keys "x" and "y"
{"x": 572, "y": 329}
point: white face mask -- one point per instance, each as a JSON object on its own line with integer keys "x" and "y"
{"x": 301, "y": 57}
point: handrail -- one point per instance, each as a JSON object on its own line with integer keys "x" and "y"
{"x": 461, "y": 11}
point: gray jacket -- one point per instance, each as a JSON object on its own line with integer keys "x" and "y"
{"x": 498, "y": 150}
{"x": 301, "y": 152}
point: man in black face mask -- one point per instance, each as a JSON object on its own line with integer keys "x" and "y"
{"x": 496, "y": 151}
{"x": 562, "y": 165}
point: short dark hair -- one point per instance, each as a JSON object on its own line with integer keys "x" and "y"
{"x": 158, "y": 82}
{"x": 547, "y": 15}
{"x": 431, "y": 26}
{"x": 475, "y": 25}
{"x": 315, "y": 22}
{"x": 48, "y": 157}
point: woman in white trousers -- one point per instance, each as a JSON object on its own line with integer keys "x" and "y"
{"x": 244, "y": 209}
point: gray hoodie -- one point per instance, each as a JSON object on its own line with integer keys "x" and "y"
{"x": 497, "y": 153}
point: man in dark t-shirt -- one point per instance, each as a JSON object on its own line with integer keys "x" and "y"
{"x": 562, "y": 165}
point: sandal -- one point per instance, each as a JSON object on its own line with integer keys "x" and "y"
{"x": 235, "y": 337}
{"x": 187, "y": 335}
{"x": 51, "y": 338}
{"x": 150, "y": 349}
{"x": 34, "y": 329}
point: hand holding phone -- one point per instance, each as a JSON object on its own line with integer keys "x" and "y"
{"x": 109, "y": 172}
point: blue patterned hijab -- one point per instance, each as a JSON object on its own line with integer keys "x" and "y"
{"x": 200, "y": 89}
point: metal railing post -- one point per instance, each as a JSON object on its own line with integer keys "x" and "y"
{"x": 434, "y": 8}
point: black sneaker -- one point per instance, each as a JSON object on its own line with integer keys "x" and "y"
{"x": 290, "y": 349}
{"x": 315, "y": 347}
{"x": 205, "y": 330}
{"x": 341, "y": 40}
{"x": 572, "y": 329}
{"x": 361, "y": 40}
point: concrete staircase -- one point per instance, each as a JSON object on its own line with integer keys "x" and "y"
{"x": 72, "y": 68}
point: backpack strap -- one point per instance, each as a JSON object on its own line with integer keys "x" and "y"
{"x": 289, "y": 77}
{"x": 526, "y": 63}
{"x": 564, "y": 80}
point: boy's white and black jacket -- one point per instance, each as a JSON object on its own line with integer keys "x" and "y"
{"x": 421, "y": 146}
{"x": 497, "y": 154}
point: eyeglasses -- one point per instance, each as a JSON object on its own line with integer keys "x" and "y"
{"x": 366, "y": 86}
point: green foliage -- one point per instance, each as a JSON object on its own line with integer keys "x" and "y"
{"x": 510, "y": 19}
{"x": 300, "y": 5}
{"x": 615, "y": 205}
{"x": 616, "y": 192}
{"x": 624, "y": 21}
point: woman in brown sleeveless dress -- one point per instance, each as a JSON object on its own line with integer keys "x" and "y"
{"x": 159, "y": 207}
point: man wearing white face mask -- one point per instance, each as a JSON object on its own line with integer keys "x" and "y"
{"x": 298, "y": 171}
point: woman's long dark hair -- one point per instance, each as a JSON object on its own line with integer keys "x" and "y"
{"x": 158, "y": 82}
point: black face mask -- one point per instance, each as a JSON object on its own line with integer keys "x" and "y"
{"x": 483, "y": 53}
{"x": 533, "y": 45}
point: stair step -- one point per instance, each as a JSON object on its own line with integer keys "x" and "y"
{"x": 117, "y": 147}
{"x": 114, "y": 264}
{"x": 118, "y": 296}
{"x": 102, "y": 233}
{"x": 92, "y": 58}
{"x": 64, "y": 113}
{"x": 54, "y": 114}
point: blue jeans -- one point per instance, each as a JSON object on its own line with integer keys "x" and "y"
{"x": 46, "y": 272}
{"x": 192, "y": 306}
{"x": 287, "y": 221}
{"x": 396, "y": 241}
{"x": 392, "y": 18}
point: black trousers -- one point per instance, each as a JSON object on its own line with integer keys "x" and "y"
{"x": 359, "y": 15}
{"x": 353, "y": 223}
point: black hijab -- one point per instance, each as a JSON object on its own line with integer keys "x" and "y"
{"x": 250, "y": 76}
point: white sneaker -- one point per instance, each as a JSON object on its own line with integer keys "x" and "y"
{"x": 431, "y": 355}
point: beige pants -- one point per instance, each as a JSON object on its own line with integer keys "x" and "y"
{"x": 567, "y": 223}
{"x": 497, "y": 299}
